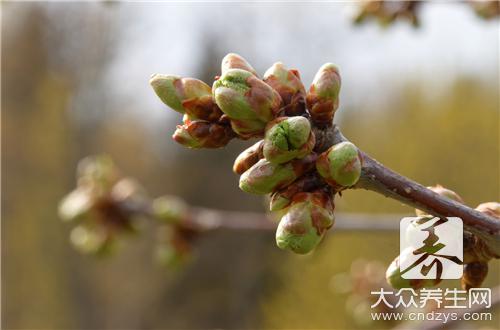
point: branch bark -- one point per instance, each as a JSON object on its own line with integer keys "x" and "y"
{"x": 378, "y": 178}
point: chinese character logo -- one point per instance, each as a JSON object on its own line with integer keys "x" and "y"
{"x": 431, "y": 248}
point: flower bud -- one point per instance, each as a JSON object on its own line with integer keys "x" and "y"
{"x": 174, "y": 248}
{"x": 97, "y": 174}
{"x": 323, "y": 95}
{"x": 265, "y": 177}
{"x": 442, "y": 191}
{"x": 202, "y": 134}
{"x": 395, "y": 279}
{"x": 282, "y": 198}
{"x": 287, "y": 138}
{"x": 247, "y": 100}
{"x": 247, "y": 128}
{"x": 169, "y": 209}
{"x": 235, "y": 61}
{"x": 289, "y": 86}
{"x": 174, "y": 91}
{"x": 128, "y": 190}
{"x": 474, "y": 275}
{"x": 305, "y": 223}
{"x": 76, "y": 205}
{"x": 248, "y": 158}
{"x": 340, "y": 165}
{"x": 491, "y": 208}
{"x": 92, "y": 240}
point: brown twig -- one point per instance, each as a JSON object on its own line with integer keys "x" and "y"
{"x": 378, "y": 178}
{"x": 206, "y": 219}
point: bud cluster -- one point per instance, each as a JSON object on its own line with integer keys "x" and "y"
{"x": 388, "y": 12}
{"x": 278, "y": 110}
{"x": 106, "y": 207}
{"x": 476, "y": 252}
{"x": 98, "y": 205}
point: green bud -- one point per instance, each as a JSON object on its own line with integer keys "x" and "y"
{"x": 176, "y": 92}
{"x": 202, "y": 134}
{"x": 287, "y": 138}
{"x": 323, "y": 96}
{"x": 442, "y": 191}
{"x": 92, "y": 240}
{"x": 289, "y": 86}
{"x": 474, "y": 274}
{"x": 278, "y": 201}
{"x": 76, "y": 205}
{"x": 491, "y": 208}
{"x": 395, "y": 279}
{"x": 173, "y": 249}
{"x": 98, "y": 174}
{"x": 169, "y": 209}
{"x": 128, "y": 190}
{"x": 265, "y": 177}
{"x": 340, "y": 165}
{"x": 305, "y": 223}
{"x": 246, "y": 99}
{"x": 235, "y": 61}
{"x": 248, "y": 158}
{"x": 247, "y": 128}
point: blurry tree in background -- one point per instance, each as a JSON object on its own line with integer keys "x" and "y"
{"x": 58, "y": 106}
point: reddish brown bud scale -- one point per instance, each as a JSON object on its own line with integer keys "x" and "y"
{"x": 235, "y": 61}
{"x": 324, "y": 201}
{"x": 304, "y": 165}
{"x": 474, "y": 275}
{"x": 282, "y": 198}
{"x": 248, "y": 158}
{"x": 304, "y": 224}
{"x": 322, "y": 98}
{"x": 202, "y": 108}
{"x": 202, "y": 134}
{"x": 289, "y": 86}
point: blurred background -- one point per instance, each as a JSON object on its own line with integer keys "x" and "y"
{"x": 423, "y": 101}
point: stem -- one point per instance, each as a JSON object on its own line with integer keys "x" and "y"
{"x": 206, "y": 219}
{"x": 378, "y": 178}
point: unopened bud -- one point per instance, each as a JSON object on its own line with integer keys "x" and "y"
{"x": 289, "y": 86}
{"x": 92, "y": 240}
{"x": 235, "y": 61}
{"x": 340, "y": 165}
{"x": 202, "y": 134}
{"x": 282, "y": 198}
{"x": 246, "y": 99}
{"x": 288, "y": 138}
{"x": 169, "y": 209}
{"x": 97, "y": 174}
{"x": 305, "y": 223}
{"x": 76, "y": 205}
{"x": 265, "y": 177}
{"x": 490, "y": 208}
{"x": 248, "y": 158}
{"x": 323, "y": 95}
{"x": 174, "y": 91}
{"x": 395, "y": 279}
{"x": 474, "y": 275}
{"x": 128, "y": 190}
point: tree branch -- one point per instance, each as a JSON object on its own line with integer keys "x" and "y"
{"x": 378, "y": 178}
